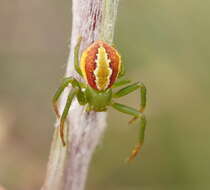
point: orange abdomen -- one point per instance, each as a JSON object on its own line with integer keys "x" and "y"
{"x": 100, "y": 65}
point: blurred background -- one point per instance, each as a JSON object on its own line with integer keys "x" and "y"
{"x": 164, "y": 44}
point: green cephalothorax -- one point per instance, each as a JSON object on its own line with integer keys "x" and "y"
{"x": 101, "y": 68}
{"x": 98, "y": 100}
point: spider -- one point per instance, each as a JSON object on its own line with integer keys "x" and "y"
{"x": 101, "y": 68}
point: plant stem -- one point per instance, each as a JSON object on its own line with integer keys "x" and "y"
{"x": 68, "y": 166}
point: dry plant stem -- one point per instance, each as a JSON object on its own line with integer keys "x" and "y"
{"x": 68, "y": 166}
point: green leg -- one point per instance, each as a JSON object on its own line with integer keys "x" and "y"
{"x": 65, "y": 83}
{"x": 71, "y": 95}
{"x": 81, "y": 97}
{"x": 120, "y": 83}
{"x": 122, "y": 71}
{"x": 130, "y": 88}
{"x": 76, "y": 56}
{"x": 131, "y": 111}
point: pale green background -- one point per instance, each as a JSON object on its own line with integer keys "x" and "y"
{"x": 164, "y": 43}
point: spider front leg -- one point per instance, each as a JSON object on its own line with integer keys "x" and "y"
{"x": 122, "y": 71}
{"x": 76, "y": 56}
{"x": 130, "y": 88}
{"x": 137, "y": 114}
{"x": 71, "y": 95}
{"x": 64, "y": 84}
{"x": 120, "y": 83}
{"x": 75, "y": 91}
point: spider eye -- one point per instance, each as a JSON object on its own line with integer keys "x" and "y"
{"x": 100, "y": 65}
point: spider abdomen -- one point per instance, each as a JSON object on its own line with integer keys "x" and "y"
{"x": 100, "y": 65}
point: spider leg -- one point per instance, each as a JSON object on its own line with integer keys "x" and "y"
{"x": 81, "y": 97}
{"x": 130, "y": 88}
{"x": 122, "y": 71}
{"x": 120, "y": 83}
{"x": 131, "y": 111}
{"x": 76, "y": 56}
{"x": 71, "y": 95}
{"x": 65, "y": 83}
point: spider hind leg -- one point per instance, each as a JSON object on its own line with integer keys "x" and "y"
{"x": 137, "y": 114}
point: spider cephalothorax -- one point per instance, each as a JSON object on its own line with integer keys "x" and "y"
{"x": 100, "y": 66}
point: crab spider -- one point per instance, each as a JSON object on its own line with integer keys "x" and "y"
{"x": 100, "y": 66}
